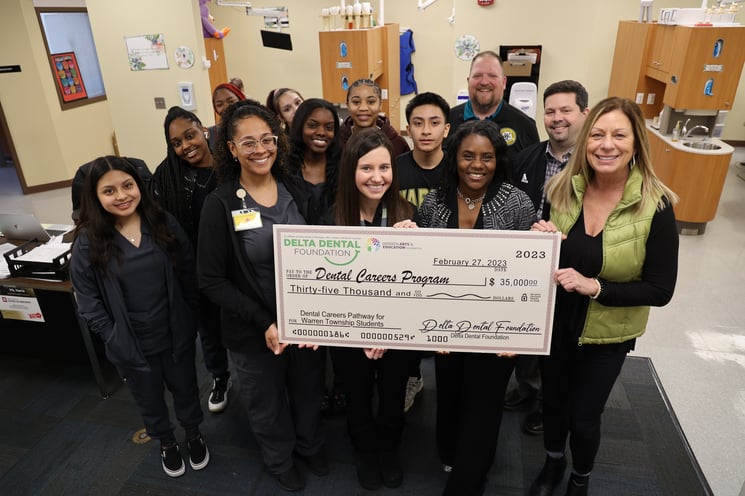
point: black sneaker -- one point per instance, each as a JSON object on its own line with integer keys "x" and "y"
{"x": 368, "y": 471}
{"x": 391, "y": 472}
{"x": 219, "y": 395}
{"x": 173, "y": 464}
{"x": 291, "y": 480}
{"x": 317, "y": 463}
{"x": 533, "y": 423}
{"x": 199, "y": 455}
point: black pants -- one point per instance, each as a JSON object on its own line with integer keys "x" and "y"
{"x": 528, "y": 376}
{"x": 372, "y": 432}
{"x": 208, "y": 325}
{"x": 148, "y": 390}
{"x": 282, "y": 396}
{"x": 577, "y": 381}
{"x": 470, "y": 395}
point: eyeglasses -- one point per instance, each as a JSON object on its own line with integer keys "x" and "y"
{"x": 269, "y": 143}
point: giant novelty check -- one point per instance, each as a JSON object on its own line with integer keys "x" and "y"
{"x": 424, "y": 289}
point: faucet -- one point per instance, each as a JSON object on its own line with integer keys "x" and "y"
{"x": 688, "y": 133}
{"x": 684, "y": 130}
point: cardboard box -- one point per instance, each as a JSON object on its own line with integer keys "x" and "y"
{"x": 517, "y": 68}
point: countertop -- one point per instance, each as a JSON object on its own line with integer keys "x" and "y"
{"x": 678, "y": 145}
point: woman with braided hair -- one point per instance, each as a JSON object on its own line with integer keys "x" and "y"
{"x": 180, "y": 185}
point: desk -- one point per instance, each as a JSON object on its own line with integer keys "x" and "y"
{"x": 57, "y": 337}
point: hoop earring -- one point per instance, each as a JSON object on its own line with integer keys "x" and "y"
{"x": 632, "y": 164}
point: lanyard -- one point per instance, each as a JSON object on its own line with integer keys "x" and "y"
{"x": 383, "y": 218}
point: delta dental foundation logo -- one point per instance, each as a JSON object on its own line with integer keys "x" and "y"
{"x": 338, "y": 252}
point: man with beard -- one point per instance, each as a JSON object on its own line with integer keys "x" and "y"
{"x": 565, "y": 106}
{"x": 486, "y": 84}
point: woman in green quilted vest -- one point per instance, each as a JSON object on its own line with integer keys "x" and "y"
{"x": 619, "y": 256}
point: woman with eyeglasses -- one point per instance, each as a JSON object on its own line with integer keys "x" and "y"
{"x": 281, "y": 386}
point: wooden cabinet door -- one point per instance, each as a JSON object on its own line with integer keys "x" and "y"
{"x": 696, "y": 178}
{"x": 661, "y": 51}
{"x": 348, "y": 55}
{"x": 706, "y": 67}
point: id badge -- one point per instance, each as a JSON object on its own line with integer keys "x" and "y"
{"x": 245, "y": 219}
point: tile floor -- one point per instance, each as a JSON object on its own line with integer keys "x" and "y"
{"x": 697, "y": 342}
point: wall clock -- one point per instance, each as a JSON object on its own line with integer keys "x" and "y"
{"x": 466, "y": 47}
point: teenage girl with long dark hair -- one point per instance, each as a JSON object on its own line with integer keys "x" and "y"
{"x": 132, "y": 269}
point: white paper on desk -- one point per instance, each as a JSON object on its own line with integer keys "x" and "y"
{"x": 4, "y": 270}
{"x": 47, "y": 252}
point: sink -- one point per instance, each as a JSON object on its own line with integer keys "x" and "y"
{"x": 702, "y": 145}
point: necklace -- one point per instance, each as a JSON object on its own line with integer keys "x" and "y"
{"x": 470, "y": 202}
{"x": 200, "y": 185}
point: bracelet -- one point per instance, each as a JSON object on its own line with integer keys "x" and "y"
{"x": 600, "y": 289}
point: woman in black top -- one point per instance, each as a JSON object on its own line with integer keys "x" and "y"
{"x": 476, "y": 194}
{"x": 180, "y": 184}
{"x": 618, "y": 258}
{"x": 314, "y": 154}
{"x": 281, "y": 386}
{"x": 314, "y": 158}
{"x": 132, "y": 270}
{"x": 368, "y": 196}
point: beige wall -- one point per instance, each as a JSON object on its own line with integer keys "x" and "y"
{"x": 577, "y": 38}
{"x": 138, "y": 124}
{"x": 50, "y": 143}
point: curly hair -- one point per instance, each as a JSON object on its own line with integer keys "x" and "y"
{"x": 226, "y": 166}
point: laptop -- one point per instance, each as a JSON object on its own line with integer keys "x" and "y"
{"x": 27, "y": 227}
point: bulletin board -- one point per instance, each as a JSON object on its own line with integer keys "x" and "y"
{"x": 67, "y": 75}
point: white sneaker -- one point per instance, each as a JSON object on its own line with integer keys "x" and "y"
{"x": 413, "y": 386}
{"x": 218, "y": 399}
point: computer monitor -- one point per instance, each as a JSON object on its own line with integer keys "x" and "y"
{"x": 275, "y": 39}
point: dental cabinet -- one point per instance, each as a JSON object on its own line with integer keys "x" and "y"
{"x": 687, "y": 67}
{"x": 351, "y": 54}
{"x": 687, "y": 75}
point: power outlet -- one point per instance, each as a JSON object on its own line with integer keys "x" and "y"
{"x": 650, "y": 99}
{"x": 160, "y": 102}
{"x": 639, "y": 98}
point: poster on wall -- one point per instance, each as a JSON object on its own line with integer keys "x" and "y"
{"x": 146, "y": 52}
{"x": 67, "y": 75}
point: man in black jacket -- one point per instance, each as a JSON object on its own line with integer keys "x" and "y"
{"x": 565, "y": 106}
{"x": 486, "y": 84}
